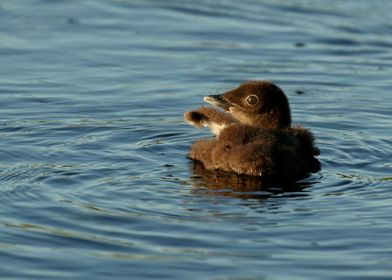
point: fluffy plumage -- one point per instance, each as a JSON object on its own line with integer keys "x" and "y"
{"x": 254, "y": 136}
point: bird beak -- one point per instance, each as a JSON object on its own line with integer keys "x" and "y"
{"x": 217, "y": 101}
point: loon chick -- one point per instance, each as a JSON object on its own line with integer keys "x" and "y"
{"x": 254, "y": 135}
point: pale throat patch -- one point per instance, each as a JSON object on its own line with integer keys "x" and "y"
{"x": 215, "y": 127}
{"x": 239, "y": 116}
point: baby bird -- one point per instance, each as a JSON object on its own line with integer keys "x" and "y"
{"x": 253, "y": 134}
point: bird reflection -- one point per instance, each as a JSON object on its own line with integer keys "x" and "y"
{"x": 210, "y": 182}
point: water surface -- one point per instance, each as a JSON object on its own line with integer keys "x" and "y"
{"x": 95, "y": 183}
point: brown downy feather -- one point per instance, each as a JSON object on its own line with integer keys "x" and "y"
{"x": 254, "y": 135}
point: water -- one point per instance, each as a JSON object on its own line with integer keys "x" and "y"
{"x": 95, "y": 183}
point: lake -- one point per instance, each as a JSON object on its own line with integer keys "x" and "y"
{"x": 94, "y": 178}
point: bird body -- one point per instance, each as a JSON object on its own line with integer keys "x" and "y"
{"x": 254, "y": 135}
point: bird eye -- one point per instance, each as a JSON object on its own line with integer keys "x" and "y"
{"x": 252, "y": 99}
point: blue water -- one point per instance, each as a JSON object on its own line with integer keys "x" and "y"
{"x": 94, "y": 179}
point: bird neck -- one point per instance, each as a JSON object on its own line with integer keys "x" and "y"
{"x": 272, "y": 119}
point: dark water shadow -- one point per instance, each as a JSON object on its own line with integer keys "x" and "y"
{"x": 211, "y": 182}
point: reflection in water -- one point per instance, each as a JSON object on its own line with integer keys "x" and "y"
{"x": 208, "y": 182}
